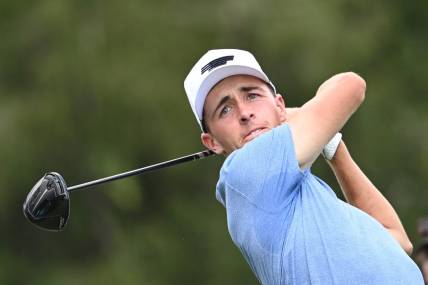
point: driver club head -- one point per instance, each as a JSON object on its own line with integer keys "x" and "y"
{"x": 48, "y": 204}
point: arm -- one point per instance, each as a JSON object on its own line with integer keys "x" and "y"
{"x": 323, "y": 116}
{"x": 360, "y": 192}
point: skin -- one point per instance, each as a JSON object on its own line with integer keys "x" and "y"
{"x": 237, "y": 110}
{"x": 241, "y": 107}
{"x": 360, "y": 192}
{"x": 240, "y": 104}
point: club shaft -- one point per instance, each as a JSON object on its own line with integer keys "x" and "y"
{"x": 145, "y": 169}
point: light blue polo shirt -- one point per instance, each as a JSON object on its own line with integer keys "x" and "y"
{"x": 292, "y": 229}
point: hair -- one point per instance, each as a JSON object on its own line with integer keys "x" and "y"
{"x": 204, "y": 124}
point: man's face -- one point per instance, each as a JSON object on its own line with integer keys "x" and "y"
{"x": 238, "y": 109}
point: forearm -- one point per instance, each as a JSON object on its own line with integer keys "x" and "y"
{"x": 319, "y": 119}
{"x": 360, "y": 192}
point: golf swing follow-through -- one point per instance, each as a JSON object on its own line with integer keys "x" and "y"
{"x": 288, "y": 224}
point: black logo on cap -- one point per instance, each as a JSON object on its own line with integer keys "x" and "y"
{"x": 216, "y": 62}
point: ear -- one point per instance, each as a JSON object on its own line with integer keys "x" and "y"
{"x": 211, "y": 143}
{"x": 280, "y": 104}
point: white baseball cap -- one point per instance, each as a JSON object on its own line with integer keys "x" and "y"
{"x": 215, "y": 66}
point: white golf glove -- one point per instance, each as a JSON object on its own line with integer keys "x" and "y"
{"x": 330, "y": 148}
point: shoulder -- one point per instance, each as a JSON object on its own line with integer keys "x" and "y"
{"x": 269, "y": 156}
{"x": 280, "y": 135}
{"x": 255, "y": 153}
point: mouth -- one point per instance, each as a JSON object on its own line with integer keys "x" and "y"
{"x": 254, "y": 133}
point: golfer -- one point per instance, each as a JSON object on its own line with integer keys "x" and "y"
{"x": 288, "y": 224}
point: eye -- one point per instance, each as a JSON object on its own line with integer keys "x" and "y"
{"x": 225, "y": 110}
{"x": 252, "y": 96}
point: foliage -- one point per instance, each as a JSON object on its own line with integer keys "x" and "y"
{"x": 91, "y": 88}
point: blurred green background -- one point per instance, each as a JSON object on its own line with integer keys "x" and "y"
{"x": 91, "y": 88}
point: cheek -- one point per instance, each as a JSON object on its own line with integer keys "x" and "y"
{"x": 225, "y": 130}
{"x": 275, "y": 114}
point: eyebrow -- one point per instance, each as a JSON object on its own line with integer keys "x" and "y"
{"x": 222, "y": 101}
{"x": 249, "y": 88}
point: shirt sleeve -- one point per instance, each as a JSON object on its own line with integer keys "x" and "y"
{"x": 265, "y": 171}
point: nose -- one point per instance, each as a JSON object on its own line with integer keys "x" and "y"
{"x": 245, "y": 115}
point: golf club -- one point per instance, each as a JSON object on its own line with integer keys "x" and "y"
{"x": 48, "y": 204}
